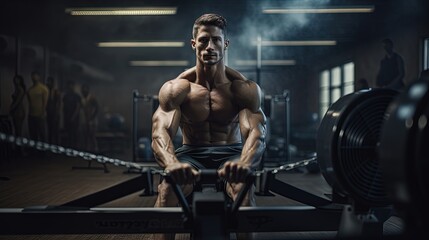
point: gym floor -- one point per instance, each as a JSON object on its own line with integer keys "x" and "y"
{"x": 51, "y": 180}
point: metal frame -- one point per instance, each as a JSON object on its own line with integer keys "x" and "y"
{"x": 136, "y": 98}
{"x": 82, "y": 216}
{"x": 160, "y": 220}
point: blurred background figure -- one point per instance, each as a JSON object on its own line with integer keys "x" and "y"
{"x": 71, "y": 109}
{"x": 17, "y": 110}
{"x": 90, "y": 109}
{"x": 391, "y": 72}
{"x": 53, "y": 109}
{"x": 37, "y": 100}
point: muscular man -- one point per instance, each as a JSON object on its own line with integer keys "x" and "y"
{"x": 219, "y": 113}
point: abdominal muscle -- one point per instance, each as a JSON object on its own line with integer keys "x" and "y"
{"x": 209, "y": 133}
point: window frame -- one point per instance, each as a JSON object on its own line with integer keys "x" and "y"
{"x": 332, "y": 89}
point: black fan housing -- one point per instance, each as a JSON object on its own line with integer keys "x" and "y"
{"x": 347, "y": 145}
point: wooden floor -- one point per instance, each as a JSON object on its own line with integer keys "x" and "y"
{"x": 51, "y": 180}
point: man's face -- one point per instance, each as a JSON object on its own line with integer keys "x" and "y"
{"x": 35, "y": 77}
{"x": 388, "y": 47}
{"x": 209, "y": 45}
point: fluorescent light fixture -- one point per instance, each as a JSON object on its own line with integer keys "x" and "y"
{"x": 122, "y": 11}
{"x": 299, "y": 43}
{"x": 266, "y": 62}
{"x": 172, "y": 63}
{"x": 356, "y": 9}
{"x": 140, "y": 44}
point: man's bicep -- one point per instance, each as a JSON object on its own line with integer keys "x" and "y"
{"x": 165, "y": 121}
{"x": 252, "y": 122}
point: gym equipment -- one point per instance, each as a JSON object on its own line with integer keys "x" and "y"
{"x": 141, "y": 146}
{"x": 404, "y": 155}
{"x": 82, "y": 215}
{"x": 347, "y": 145}
{"x": 278, "y": 153}
{"x": 356, "y": 209}
{"x": 210, "y": 205}
{"x": 116, "y": 122}
{"x": 347, "y": 150}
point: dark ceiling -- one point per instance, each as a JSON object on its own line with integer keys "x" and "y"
{"x": 46, "y": 23}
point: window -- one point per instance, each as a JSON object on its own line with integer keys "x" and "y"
{"x": 335, "y": 83}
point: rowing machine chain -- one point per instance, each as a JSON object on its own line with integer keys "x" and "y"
{"x": 46, "y": 147}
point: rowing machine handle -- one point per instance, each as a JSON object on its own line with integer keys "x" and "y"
{"x": 209, "y": 176}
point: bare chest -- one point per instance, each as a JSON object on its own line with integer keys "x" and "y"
{"x": 203, "y": 105}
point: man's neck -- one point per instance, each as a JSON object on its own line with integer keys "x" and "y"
{"x": 209, "y": 75}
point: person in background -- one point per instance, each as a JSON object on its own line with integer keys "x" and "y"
{"x": 90, "y": 109}
{"x": 391, "y": 72}
{"x": 71, "y": 109}
{"x": 17, "y": 110}
{"x": 53, "y": 111}
{"x": 37, "y": 100}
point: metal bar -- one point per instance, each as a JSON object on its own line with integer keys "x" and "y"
{"x": 162, "y": 220}
{"x": 258, "y": 60}
{"x": 297, "y": 194}
{"x": 109, "y": 194}
{"x": 100, "y": 221}
{"x": 135, "y": 120}
{"x": 287, "y": 219}
{"x": 242, "y": 194}
{"x": 180, "y": 196}
{"x": 287, "y": 126}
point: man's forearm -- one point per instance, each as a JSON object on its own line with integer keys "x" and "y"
{"x": 163, "y": 150}
{"x": 253, "y": 148}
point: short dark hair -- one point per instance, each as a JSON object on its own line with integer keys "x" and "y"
{"x": 387, "y": 41}
{"x": 209, "y": 19}
{"x": 35, "y": 72}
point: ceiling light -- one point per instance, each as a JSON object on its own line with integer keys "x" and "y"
{"x": 266, "y": 62}
{"x": 140, "y": 44}
{"x": 159, "y": 63}
{"x": 299, "y": 43}
{"x": 121, "y": 11}
{"x": 361, "y": 9}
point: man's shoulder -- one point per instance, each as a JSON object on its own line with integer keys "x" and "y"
{"x": 233, "y": 74}
{"x": 174, "y": 89}
{"x": 189, "y": 74}
{"x": 177, "y": 84}
{"x": 244, "y": 84}
{"x": 247, "y": 93}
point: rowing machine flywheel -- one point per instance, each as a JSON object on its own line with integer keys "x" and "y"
{"x": 348, "y": 142}
{"x": 404, "y": 153}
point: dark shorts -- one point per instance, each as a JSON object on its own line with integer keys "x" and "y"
{"x": 209, "y": 157}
